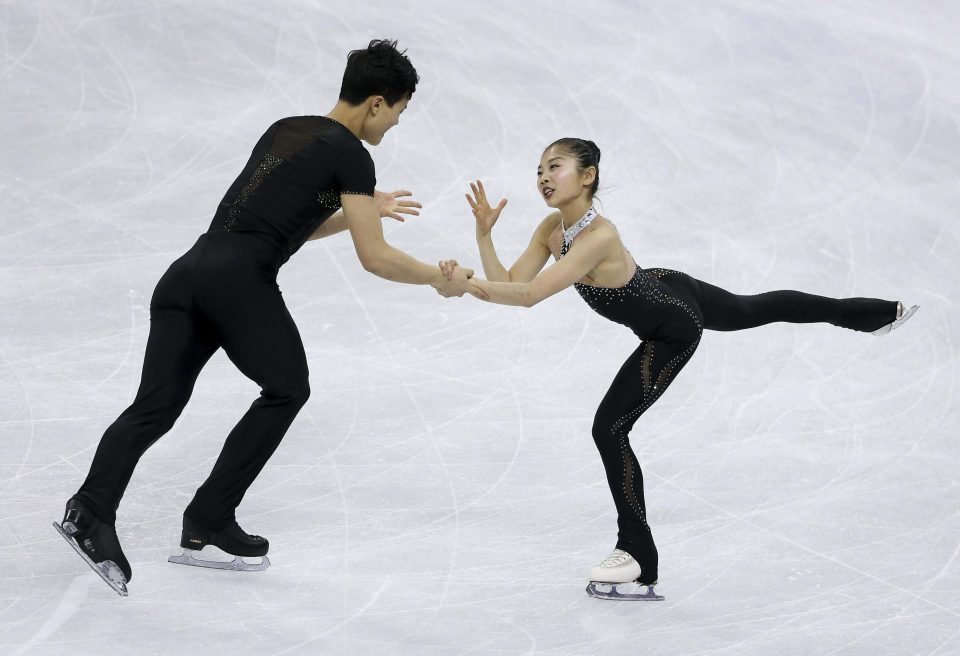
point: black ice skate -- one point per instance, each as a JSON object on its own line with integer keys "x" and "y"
{"x": 619, "y": 577}
{"x": 231, "y": 544}
{"x": 97, "y": 544}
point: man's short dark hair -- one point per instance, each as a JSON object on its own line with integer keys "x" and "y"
{"x": 378, "y": 70}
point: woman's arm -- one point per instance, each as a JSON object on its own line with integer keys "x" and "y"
{"x": 527, "y": 265}
{"x": 592, "y": 248}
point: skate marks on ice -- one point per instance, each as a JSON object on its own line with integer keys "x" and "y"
{"x": 108, "y": 570}
{"x": 72, "y": 601}
{"x": 213, "y": 558}
{"x": 622, "y": 591}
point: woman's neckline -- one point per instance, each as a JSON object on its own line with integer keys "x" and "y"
{"x": 569, "y": 234}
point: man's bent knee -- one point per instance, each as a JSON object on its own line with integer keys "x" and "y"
{"x": 294, "y": 393}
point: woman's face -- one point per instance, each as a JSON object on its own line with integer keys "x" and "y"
{"x": 559, "y": 179}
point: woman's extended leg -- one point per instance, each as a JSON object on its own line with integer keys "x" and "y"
{"x": 725, "y": 311}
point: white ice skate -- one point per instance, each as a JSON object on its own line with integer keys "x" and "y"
{"x": 902, "y": 316}
{"x": 617, "y": 578}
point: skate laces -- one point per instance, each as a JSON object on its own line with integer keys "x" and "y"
{"x": 617, "y": 558}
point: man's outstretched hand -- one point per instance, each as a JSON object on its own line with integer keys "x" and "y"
{"x": 391, "y": 206}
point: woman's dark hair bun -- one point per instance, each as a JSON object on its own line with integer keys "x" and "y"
{"x": 595, "y": 149}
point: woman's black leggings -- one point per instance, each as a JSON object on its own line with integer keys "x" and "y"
{"x": 222, "y": 293}
{"x": 654, "y": 365}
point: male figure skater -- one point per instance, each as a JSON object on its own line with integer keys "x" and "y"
{"x": 223, "y": 293}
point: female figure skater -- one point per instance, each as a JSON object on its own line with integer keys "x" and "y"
{"x": 666, "y": 309}
{"x": 223, "y": 293}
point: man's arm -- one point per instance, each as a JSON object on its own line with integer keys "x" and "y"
{"x": 333, "y": 225}
{"x": 388, "y": 205}
{"x": 383, "y": 260}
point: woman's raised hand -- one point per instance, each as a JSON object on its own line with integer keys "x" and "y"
{"x": 485, "y": 215}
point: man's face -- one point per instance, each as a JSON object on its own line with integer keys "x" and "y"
{"x": 384, "y": 118}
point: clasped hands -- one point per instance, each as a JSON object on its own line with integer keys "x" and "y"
{"x": 459, "y": 281}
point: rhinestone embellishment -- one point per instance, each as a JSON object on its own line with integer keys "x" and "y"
{"x": 328, "y": 199}
{"x": 571, "y": 233}
{"x": 264, "y": 168}
{"x": 646, "y": 289}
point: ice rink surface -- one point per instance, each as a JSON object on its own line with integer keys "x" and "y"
{"x": 440, "y": 493}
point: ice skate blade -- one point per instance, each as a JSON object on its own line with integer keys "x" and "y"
{"x": 610, "y": 591}
{"x": 108, "y": 570}
{"x": 907, "y": 313}
{"x": 238, "y": 564}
